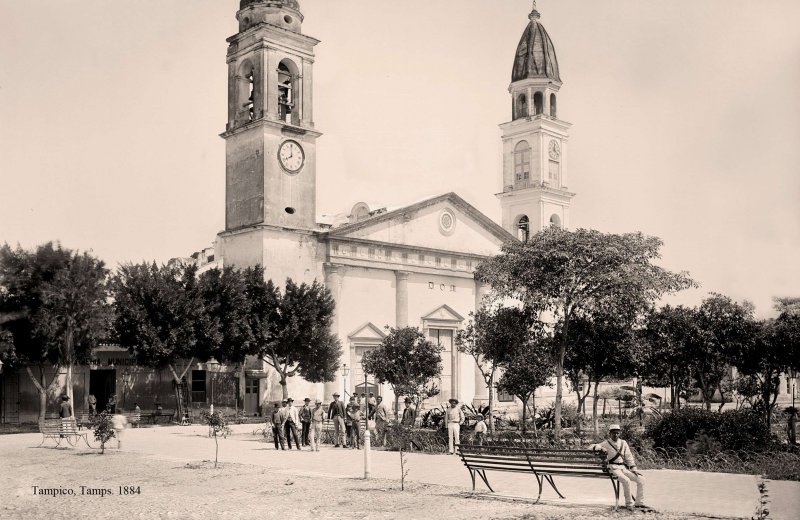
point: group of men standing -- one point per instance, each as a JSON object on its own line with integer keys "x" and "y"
{"x": 346, "y": 419}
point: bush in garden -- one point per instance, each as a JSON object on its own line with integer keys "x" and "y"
{"x": 103, "y": 432}
{"x": 730, "y": 430}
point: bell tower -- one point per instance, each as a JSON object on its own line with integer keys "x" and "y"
{"x": 535, "y": 140}
{"x": 270, "y": 138}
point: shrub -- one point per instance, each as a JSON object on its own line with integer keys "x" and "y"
{"x": 103, "y": 432}
{"x": 730, "y": 430}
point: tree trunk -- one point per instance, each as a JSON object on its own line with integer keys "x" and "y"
{"x": 396, "y": 405}
{"x": 43, "y": 388}
{"x": 533, "y": 416}
{"x": 174, "y": 372}
{"x": 491, "y": 409}
{"x": 524, "y": 413}
{"x": 559, "y": 391}
{"x": 284, "y": 388}
{"x": 69, "y": 389}
{"x": 594, "y": 407}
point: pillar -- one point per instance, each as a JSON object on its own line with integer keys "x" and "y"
{"x": 333, "y": 281}
{"x": 401, "y": 299}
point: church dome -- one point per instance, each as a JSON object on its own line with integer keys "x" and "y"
{"x": 536, "y": 55}
{"x": 292, "y": 4}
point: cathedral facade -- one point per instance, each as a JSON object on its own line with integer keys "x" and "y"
{"x": 403, "y": 266}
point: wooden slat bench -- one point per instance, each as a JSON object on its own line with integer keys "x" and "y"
{"x": 59, "y": 430}
{"x": 155, "y": 415}
{"x": 543, "y": 463}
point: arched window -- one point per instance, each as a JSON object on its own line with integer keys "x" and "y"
{"x": 522, "y": 164}
{"x": 538, "y": 103}
{"x": 552, "y": 105}
{"x": 522, "y": 107}
{"x": 288, "y": 94}
{"x": 523, "y": 228}
{"x": 555, "y": 220}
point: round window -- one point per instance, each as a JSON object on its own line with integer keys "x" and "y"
{"x": 288, "y": 19}
{"x": 447, "y": 222}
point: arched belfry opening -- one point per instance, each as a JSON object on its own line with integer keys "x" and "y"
{"x": 288, "y": 92}
{"x": 246, "y": 89}
{"x": 553, "y": 105}
{"x": 521, "y": 107}
{"x": 523, "y": 228}
{"x": 538, "y": 103}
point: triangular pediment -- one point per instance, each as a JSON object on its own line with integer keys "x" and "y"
{"x": 443, "y": 313}
{"x": 445, "y": 223}
{"x": 368, "y": 332}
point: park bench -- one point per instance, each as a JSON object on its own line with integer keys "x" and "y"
{"x": 543, "y": 463}
{"x": 59, "y": 430}
{"x": 157, "y": 414}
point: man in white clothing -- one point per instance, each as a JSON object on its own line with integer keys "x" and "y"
{"x": 454, "y": 419}
{"x": 290, "y": 426}
{"x": 622, "y": 464}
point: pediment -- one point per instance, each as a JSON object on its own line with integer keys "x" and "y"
{"x": 445, "y": 223}
{"x": 368, "y": 332}
{"x": 443, "y": 313}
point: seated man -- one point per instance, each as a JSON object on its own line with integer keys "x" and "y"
{"x": 622, "y": 465}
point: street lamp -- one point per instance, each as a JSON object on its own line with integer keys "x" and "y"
{"x": 212, "y": 365}
{"x": 345, "y": 372}
{"x": 367, "y": 440}
{"x": 126, "y": 380}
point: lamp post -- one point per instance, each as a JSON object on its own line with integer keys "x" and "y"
{"x": 367, "y": 439}
{"x": 211, "y": 366}
{"x": 126, "y": 380}
{"x": 345, "y": 372}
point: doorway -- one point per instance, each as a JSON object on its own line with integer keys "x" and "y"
{"x": 251, "y": 396}
{"x": 103, "y": 384}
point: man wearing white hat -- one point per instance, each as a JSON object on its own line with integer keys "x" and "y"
{"x": 622, "y": 464}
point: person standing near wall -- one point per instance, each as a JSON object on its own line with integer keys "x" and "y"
{"x": 454, "y": 419}
{"x": 65, "y": 412}
{"x": 277, "y": 426}
{"x": 317, "y": 418}
{"x": 336, "y": 413}
{"x": 290, "y": 425}
{"x": 305, "y": 421}
{"x": 354, "y": 418}
{"x": 381, "y": 415}
{"x": 92, "y": 404}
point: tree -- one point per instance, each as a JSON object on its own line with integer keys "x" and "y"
{"x": 602, "y": 347}
{"x": 567, "y": 274}
{"x": 725, "y": 330}
{"x": 301, "y": 341}
{"x": 491, "y": 338}
{"x": 665, "y": 338}
{"x": 225, "y": 329}
{"x": 53, "y": 310}
{"x": 530, "y": 367}
{"x": 157, "y": 314}
{"x": 407, "y": 361}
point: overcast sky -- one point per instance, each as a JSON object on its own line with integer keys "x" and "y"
{"x": 686, "y": 121}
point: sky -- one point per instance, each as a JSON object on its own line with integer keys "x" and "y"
{"x": 686, "y": 121}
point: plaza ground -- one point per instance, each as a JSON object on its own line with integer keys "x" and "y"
{"x": 171, "y": 468}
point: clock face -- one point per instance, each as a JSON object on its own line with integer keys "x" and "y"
{"x": 291, "y": 156}
{"x": 555, "y": 149}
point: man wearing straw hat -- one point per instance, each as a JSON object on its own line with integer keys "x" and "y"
{"x": 622, "y": 464}
{"x": 454, "y": 419}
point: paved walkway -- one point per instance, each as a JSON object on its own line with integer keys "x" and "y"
{"x": 684, "y": 492}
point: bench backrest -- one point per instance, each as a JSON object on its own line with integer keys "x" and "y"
{"x": 58, "y": 426}
{"x": 541, "y": 460}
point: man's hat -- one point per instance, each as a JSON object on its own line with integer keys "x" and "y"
{"x": 284, "y": 401}
{"x": 336, "y": 394}
{"x": 289, "y": 399}
{"x": 65, "y": 397}
{"x": 614, "y": 427}
{"x": 307, "y": 400}
{"x": 317, "y": 402}
{"x": 277, "y": 403}
{"x": 452, "y": 400}
{"x": 407, "y": 400}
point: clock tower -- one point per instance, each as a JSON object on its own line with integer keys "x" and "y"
{"x": 535, "y": 179}
{"x": 270, "y": 139}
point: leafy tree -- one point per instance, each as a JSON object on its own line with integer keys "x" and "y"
{"x": 491, "y": 338}
{"x": 54, "y": 311}
{"x": 725, "y": 330}
{"x": 665, "y": 339}
{"x": 225, "y": 328}
{"x": 602, "y": 347}
{"x": 567, "y": 274}
{"x": 530, "y": 367}
{"x": 406, "y": 360}
{"x": 301, "y": 341}
{"x": 157, "y": 313}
